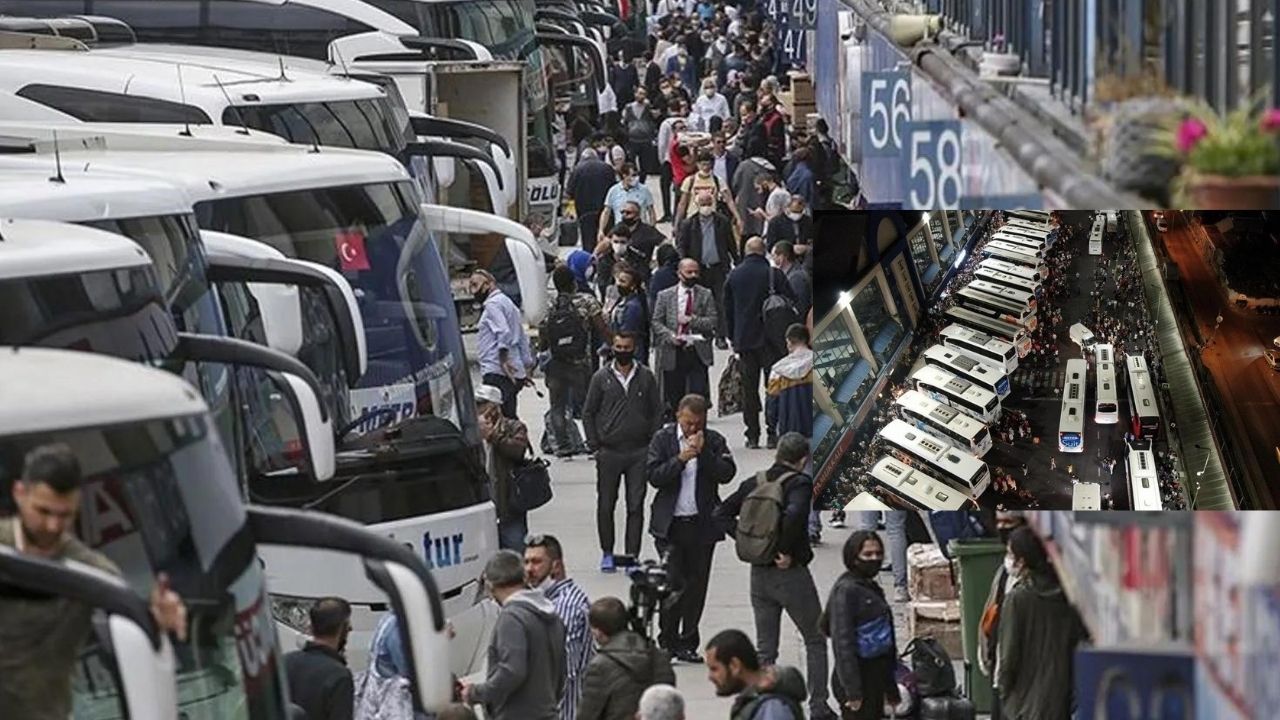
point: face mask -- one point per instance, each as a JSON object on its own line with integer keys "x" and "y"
{"x": 709, "y": 92}
{"x": 795, "y": 216}
{"x": 689, "y": 281}
{"x": 1004, "y": 534}
{"x": 867, "y": 568}
{"x": 546, "y": 583}
{"x": 619, "y": 249}
{"x": 705, "y": 210}
{"x": 481, "y": 294}
{"x": 1010, "y": 566}
{"x": 628, "y": 182}
{"x": 624, "y": 358}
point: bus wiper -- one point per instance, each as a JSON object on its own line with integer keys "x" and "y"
{"x": 345, "y": 430}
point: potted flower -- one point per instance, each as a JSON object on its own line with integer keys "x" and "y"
{"x": 1229, "y": 163}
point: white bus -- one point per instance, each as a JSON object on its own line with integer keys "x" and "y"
{"x": 867, "y": 501}
{"x": 1023, "y": 297}
{"x": 1144, "y": 414}
{"x": 1034, "y": 245}
{"x": 1086, "y": 496}
{"x": 915, "y": 489}
{"x": 1009, "y": 331}
{"x": 956, "y": 468}
{"x": 1144, "y": 484}
{"x": 1009, "y": 280}
{"x": 1095, "y": 235}
{"x": 1038, "y": 275}
{"x": 1013, "y": 254}
{"x": 981, "y": 346}
{"x": 1071, "y": 419}
{"x": 1004, "y": 242}
{"x": 987, "y": 377}
{"x": 1039, "y": 216}
{"x": 1027, "y": 225}
{"x": 1105, "y": 408}
{"x": 943, "y": 421}
{"x": 996, "y": 307}
{"x": 957, "y": 392}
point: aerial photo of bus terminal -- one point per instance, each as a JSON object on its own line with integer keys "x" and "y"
{"x": 1028, "y": 359}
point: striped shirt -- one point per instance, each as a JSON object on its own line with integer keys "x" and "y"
{"x": 572, "y": 605}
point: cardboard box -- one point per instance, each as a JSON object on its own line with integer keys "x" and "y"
{"x": 929, "y": 574}
{"x": 938, "y": 618}
{"x": 801, "y": 87}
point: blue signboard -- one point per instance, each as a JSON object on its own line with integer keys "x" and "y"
{"x": 1122, "y": 684}
{"x": 886, "y": 108}
{"x": 932, "y": 164}
{"x": 792, "y": 45}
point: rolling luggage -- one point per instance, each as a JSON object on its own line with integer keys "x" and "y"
{"x": 947, "y": 708}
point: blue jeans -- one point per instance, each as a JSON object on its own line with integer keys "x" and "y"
{"x": 512, "y": 531}
{"x": 895, "y": 526}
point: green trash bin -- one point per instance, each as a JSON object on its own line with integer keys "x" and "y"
{"x": 978, "y": 560}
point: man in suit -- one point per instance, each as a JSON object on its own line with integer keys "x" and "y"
{"x": 687, "y": 463}
{"x": 680, "y": 312}
{"x": 708, "y": 238}
{"x": 744, "y": 294}
{"x": 794, "y": 226}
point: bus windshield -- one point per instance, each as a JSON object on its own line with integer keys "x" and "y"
{"x": 374, "y": 235}
{"x": 160, "y": 496}
{"x": 370, "y": 124}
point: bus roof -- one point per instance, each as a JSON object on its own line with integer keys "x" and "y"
{"x": 36, "y": 248}
{"x": 28, "y": 188}
{"x": 48, "y": 389}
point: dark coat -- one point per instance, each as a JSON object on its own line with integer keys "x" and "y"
{"x": 666, "y": 276}
{"x": 589, "y": 183}
{"x": 623, "y": 668}
{"x": 853, "y": 601}
{"x": 320, "y": 683}
{"x": 618, "y": 419}
{"x": 510, "y": 444}
{"x": 1038, "y": 628}
{"x": 690, "y": 240}
{"x": 744, "y": 294}
{"x": 715, "y": 468}
{"x": 784, "y": 228}
{"x": 793, "y": 539}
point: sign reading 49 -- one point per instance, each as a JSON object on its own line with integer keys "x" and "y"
{"x": 932, "y": 166}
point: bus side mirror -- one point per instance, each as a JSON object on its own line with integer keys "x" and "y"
{"x": 315, "y": 426}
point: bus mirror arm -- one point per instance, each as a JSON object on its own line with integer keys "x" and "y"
{"x": 393, "y": 568}
{"x": 447, "y": 127}
{"x": 231, "y": 351}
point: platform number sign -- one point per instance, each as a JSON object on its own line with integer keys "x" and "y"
{"x": 803, "y": 15}
{"x": 886, "y": 110}
{"x": 793, "y": 45}
{"x": 793, "y": 19}
{"x": 931, "y": 165}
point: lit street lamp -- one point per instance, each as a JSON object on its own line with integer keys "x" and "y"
{"x": 1217, "y": 322}
{"x": 1196, "y": 488}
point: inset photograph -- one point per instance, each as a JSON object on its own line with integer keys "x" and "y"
{"x": 1117, "y": 360}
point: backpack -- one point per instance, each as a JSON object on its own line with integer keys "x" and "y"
{"x": 760, "y": 520}
{"x": 778, "y": 313}
{"x": 935, "y": 675}
{"x": 567, "y": 335}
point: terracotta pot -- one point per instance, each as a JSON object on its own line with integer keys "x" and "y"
{"x": 1219, "y": 192}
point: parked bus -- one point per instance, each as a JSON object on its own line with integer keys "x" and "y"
{"x": 988, "y": 377}
{"x": 914, "y": 489}
{"x": 1009, "y": 280}
{"x": 1008, "y": 331}
{"x": 867, "y": 501}
{"x": 997, "y": 307}
{"x": 1004, "y": 242}
{"x": 1144, "y": 484}
{"x": 1040, "y": 216}
{"x": 1096, "y": 233}
{"x": 1025, "y": 298}
{"x": 957, "y": 429}
{"x": 1033, "y": 244}
{"x": 1071, "y": 419}
{"x": 1013, "y": 254}
{"x": 1086, "y": 496}
{"x": 922, "y": 451}
{"x": 1037, "y": 275}
{"x": 1027, "y": 225}
{"x": 981, "y": 347}
{"x": 957, "y": 392}
{"x": 1144, "y": 414}
{"x": 1105, "y": 407}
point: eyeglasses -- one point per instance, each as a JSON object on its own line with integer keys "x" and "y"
{"x": 537, "y": 540}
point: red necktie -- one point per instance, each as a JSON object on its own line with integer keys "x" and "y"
{"x": 688, "y": 310}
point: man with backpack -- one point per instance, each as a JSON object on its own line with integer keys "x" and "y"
{"x": 768, "y": 516}
{"x": 565, "y": 334}
{"x": 624, "y": 667}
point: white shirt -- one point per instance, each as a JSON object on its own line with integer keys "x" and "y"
{"x": 624, "y": 380}
{"x": 687, "y": 500}
{"x": 720, "y": 168}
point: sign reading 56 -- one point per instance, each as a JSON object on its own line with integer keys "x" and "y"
{"x": 932, "y": 165}
{"x": 886, "y": 108}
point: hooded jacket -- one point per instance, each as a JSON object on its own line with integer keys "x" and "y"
{"x": 618, "y": 675}
{"x": 1039, "y": 632}
{"x": 526, "y": 674}
{"x": 790, "y": 391}
{"x": 784, "y": 702}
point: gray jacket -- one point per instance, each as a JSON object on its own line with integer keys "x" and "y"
{"x": 665, "y": 325}
{"x": 621, "y": 419}
{"x": 526, "y": 674}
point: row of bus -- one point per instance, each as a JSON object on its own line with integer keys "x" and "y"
{"x": 1144, "y": 414}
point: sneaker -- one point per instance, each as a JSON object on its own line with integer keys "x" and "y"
{"x": 772, "y": 442}
{"x": 606, "y": 563}
{"x": 753, "y": 443}
{"x": 837, "y": 520}
{"x": 900, "y": 595}
{"x": 687, "y": 655}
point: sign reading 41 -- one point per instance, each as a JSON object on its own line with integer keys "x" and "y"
{"x": 932, "y": 165}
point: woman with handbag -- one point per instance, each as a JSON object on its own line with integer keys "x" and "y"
{"x": 506, "y": 445}
{"x": 859, "y": 622}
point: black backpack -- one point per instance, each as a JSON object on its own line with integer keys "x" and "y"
{"x": 567, "y": 334}
{"x": 778, "y": 313}
{"x": 931, "y": 663}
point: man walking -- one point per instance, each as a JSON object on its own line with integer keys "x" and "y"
{"x": 745, "y": 293}
{"x": 627, "y": 190}
{"x": 565, "y": 334}
{"x": 625, "y": 667}
{"x": 588, "y": 185}
{"x": 708, "y": 239}
{"x": 544, "y": 570}
{"x": 622, "y": 411}
{"x": 684, "y": 321}
{"x": 785, "y": 259}
{"x": 687, "y": 462}
{"x": 783, "y": 582}
{"x": 526, "y": 661}
{"x": 319, "y": 681}
{"x": 503, "y": 346}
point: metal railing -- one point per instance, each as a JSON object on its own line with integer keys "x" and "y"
{"x": 1218, "y": 51}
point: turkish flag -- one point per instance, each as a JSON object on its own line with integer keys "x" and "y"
{"x": 351, "y": 252}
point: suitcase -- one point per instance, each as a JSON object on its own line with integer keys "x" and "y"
{"x": 947, "y": 708}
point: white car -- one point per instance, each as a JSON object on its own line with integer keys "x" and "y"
{"x": 1081, "y": 336}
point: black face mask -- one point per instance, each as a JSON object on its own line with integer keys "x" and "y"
{"x": 689, "y": 282}
{"x": 482, "y": 294}
{"x": 624, "y": 358}
{"x": 867, "y": 568}
{"x": 1004, "y": 534}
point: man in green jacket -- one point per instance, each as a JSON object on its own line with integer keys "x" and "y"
{"x": 624, "y": 667}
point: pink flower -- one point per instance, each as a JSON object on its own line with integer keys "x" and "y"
{"x": 1190, "y": 132}
{"x": 1270, "y": 120}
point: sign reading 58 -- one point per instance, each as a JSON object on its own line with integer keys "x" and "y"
{"x": 932, "y": 166}
{"x": 886, "y": 108}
